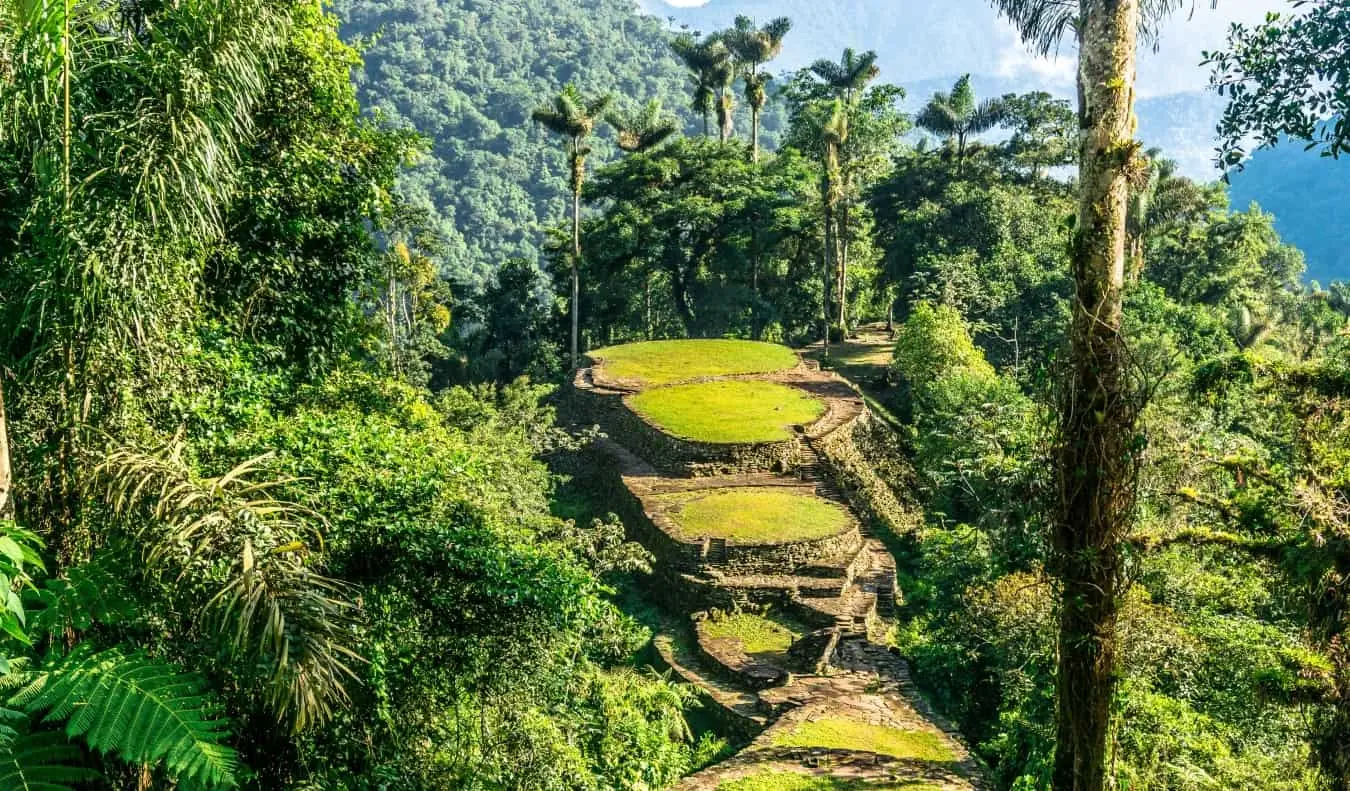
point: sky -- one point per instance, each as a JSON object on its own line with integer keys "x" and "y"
{"x": 1175, "y": 68}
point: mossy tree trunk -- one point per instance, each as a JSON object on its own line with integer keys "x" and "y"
{"x": 6, "y": 467}
{"x": 1095, "y": 458}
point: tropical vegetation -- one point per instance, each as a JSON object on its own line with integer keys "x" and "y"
{"x": 292, "y": 494}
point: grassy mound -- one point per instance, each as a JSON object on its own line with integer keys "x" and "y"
{"x": 663, "y": 362}
{"x": 788, "y": 781}
{"x": 837, "y": 733}
{"x": 758, "y": 634}
{"x": 728, "y": 412}
{"x": 756, "y": 515}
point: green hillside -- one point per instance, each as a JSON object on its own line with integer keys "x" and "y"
{"x": 467, "y": 73}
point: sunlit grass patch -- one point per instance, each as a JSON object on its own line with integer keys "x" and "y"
{"x": 789, "y": 781}
{"x": 758, "y": 634}
{"x": 756, "y": 515}
{"x": 728, "y": 412}
{"x": 838, "y": 733}
{"x": 664, "y": 362}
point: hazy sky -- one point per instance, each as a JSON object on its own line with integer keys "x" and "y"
{"x": 1175, "y": 68}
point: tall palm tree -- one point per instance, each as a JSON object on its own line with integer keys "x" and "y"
{"x": 642, "y": 129}
{"x": 637, "y": 132}
{"x": 573, "y": 117}
{"x": 6, "y": 468}
{"x": 958, "y": 117}
{"x": 847, "y": 79}
{"x": 753, "y": 47}
{"x": 833, "y": 136}
{"x": 711, "y": 64}
{"x": 1094, "y": 452}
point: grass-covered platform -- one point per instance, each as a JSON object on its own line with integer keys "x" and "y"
{"x": 655, "y": 363}
{"x": 729, "y": 411}
{"x": 756, "y": 515}
{"x": 838, "y": 733}
{"x": 775, "y": 780}
{"x": 760, "y": 635}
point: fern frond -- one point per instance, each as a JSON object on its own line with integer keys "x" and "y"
{"x": 42, "y": 761}
{"x": 87, "y": 594}
{"x": 142, "y": 711}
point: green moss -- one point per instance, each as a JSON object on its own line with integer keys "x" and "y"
{"x": 787, "y": 781}
{"x": 728, "y": 411}
{"x": 757, "y": 633}
{"x": 837, "y": 733}
{"x": 756, "y": 515}
{"x": 665, "y": 362}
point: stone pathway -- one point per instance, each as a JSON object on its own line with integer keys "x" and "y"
{"x": 853, "y": 686}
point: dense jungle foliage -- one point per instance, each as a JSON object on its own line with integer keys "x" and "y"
{"x": 280, "y": 463}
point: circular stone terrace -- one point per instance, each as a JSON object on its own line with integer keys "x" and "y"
{"x": 753, "y": 515}
{"x": 722, "y": 393}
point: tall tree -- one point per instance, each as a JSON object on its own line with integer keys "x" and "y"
{"x": 643, "y": 129}
{"x": 6, "y": 466}
{"x": 847, "y": 79}
{"x": 754, "y": 47}
{"x": 833, "y": 136}
{"x": 573, "y": 116}
{"x": 710, "y": 64}
{"x": 1095, "y": 451}
{"x": 957, "y": 116}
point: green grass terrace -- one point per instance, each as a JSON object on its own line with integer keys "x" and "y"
{"x": 774, "y": 780}
{"x": 731, "y": 411}
{"x": 756, "y": 515}
{"x": 655, "y": 363}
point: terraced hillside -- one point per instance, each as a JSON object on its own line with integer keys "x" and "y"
{"x": 734, "y": 463}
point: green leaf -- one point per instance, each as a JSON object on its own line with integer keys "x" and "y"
{"x": 142, "y": 711}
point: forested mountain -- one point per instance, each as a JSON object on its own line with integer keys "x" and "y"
{"x": 466, "y": 74}
{"x": 1308, "y": 196}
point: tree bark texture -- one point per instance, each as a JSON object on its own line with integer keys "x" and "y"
{"x": 1095, "y": 448}
{"x": 6, "y": 466}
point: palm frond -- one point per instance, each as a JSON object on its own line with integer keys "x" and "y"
{"x": 1045, "y": 24}
{"x": 273, "y": 607}
{"x": 142, "y": 711}
{"x": 1042, "y": 24}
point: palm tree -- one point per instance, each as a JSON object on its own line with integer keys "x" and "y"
{"x": 643, "y": 129}
{"x": 753, "y": 47}
{"x": 638, "y": 132}
{"x": 573, "y": 116}
{"x": 958, "y": 117}
{"x": 833, "y": 135}
{"x": 710, "y": 63}
{"x": 847, "y": 79}
{"x": 6, "y": 469}
{"x": 1094, "y": 452}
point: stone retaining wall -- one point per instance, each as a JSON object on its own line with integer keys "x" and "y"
{"x": 778, "y": 558}
{"x": 843, "y": 452}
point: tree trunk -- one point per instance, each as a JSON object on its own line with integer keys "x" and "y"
{"x": 6, "y": 468}
{"x": 754, "y": 114}
{"x": 828, "y": 256}
{"x": 1093, "y": 455}
{"x": 843, "y": 266}
{"x": 576, "y": 276}
{"x": 647, "y": 304}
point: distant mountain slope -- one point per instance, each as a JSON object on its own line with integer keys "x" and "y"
{"x": 467, "y": 73}
{"x": 1310, "y": 198}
